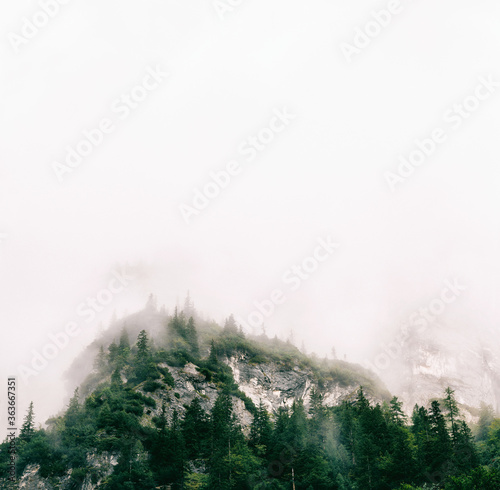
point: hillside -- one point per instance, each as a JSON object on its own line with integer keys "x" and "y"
{"x": 176, "y": 401}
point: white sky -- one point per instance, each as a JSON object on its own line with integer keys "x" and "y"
{"x": 323, "y": 175}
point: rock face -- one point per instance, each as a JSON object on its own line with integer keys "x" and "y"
{"x": 31, "y": 480}
{"x": 267, "y": 382}
{"x": 275, "y": 387}
{"x": 270, "y": 382}
{"x": 430, "y": 361}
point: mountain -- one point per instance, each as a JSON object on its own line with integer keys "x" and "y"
{"x": 180, "y": 402}
{"x": 430, "y": 360}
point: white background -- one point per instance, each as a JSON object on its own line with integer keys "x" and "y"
{"x": 323, "y": 175}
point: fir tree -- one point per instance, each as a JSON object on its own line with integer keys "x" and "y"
{"x": 192, "y": 338}
{"x": 143, "y": 350}
{"x": 189, "y": 310}
{"x": 100, "y": 362}
{"x": 28, "y": 427}
{"x": 195, "y": 430}
{"x": 452, "y": 412}
{"x": 261, "y": 430}
{"x": 124, "y": 345}
{"x": 230, "y": 326}
{"x": 397, "y": 414}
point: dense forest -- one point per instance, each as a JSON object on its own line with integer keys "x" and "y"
{"x": 358, "y": 444}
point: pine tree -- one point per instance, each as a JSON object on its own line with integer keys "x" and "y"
{"x": 362, "y": 403}
{"x": 176, "y": 332}
{"x": 298, "y": 425}
{"x": 142, "y": 363}
{"x": 100, "y": 361}
{"x": 317, "y": 421}
{"x": 371, "y": 437}
{"x": 189, "y": 310}
{"x": 195, "y": 429}
{"x": 160, "y": 452}
{"x": 116, "y": 379}
{"x": 124, "y": 345}
{"x": 143, "y": 350}
{"x": 452, "y": 412}
{"x": 261, "y": 430}
{"x": 486, "y": 417}
{"x": 397, "y": 414}
{"x": 177, "y": 457}
{"x": 192, "y": 338}
{"x": 74, "y": 407}
{"x": 225, "y": 434}
{"x": 440, "y": 450}
{"x": 212, "y": 356}
{"x": 151, "y": 304}
{"x": 113, "y": 353}
{"x": 465, "y": 454}
{"x": 230, "y": 326}
{"x": 28, "y": 427}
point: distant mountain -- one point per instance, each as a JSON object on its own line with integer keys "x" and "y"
{"x": 431, "y": 360}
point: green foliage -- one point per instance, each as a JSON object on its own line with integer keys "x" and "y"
{"x": 356, "y": 445}
{"x": 480, "y": 478}
{"x": 183, "y": 337}
{"x": 151, "y": 386}
{"x": 28, "y": 427}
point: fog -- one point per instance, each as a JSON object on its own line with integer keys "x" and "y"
{"x": 317, "y": 173}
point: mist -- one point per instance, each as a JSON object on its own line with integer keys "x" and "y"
{"x": 138, "y": 203}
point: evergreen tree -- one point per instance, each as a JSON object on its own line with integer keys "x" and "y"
{"x": 298, "y": 426}
{"x": 177, "y": 334}
{"x": 124, "y": 345}
{"x": 28, "y": 427}
{"x": 318, "y": 414}
{"x": 397, "y": 414}
{"x": 113, "y": 353}
{"x": 486, "y": 417}
{"x": 261, "y": 430}
{"x": 192, "y": 338}
{"x": 453, "y": 412}
{"x": 225, "y": 434}
{"x": 100, "y": 362}
{"x": 195, "y": 427}
{"x": 189, "y": 310}
{"x": 440, "y": 449}
{"x": 143, "y": 350}
{"x": 177, "y": 449}
{"x": 212, "y": 356}
{"x": 116, "y": 379}
{"x": 230, "y": 326}
{"x": 465, "y": 453}
{"x": 151, "y": 304}
{"x": 74, "y": 409}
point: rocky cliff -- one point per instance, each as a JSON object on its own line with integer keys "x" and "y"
{"x": 430, "y": 361}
